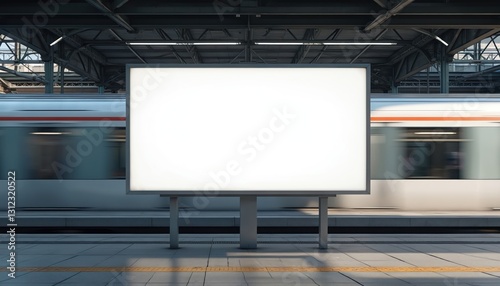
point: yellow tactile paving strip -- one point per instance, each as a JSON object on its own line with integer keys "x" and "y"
{"x": 258, "y": 269}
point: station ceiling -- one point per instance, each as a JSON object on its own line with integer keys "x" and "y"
{"x": 97, "y": 38}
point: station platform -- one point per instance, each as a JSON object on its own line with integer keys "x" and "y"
{"x": 216, "y": 259}
{"x": 272, "y": 219}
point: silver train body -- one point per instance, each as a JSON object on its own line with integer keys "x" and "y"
{"x": 434, "y": 153}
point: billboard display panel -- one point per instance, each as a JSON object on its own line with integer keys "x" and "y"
{"x": 248, "y": 130}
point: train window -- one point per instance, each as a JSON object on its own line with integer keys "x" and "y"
{"x": 90, "y": 146}
{"x": 15, "y": 153}
{"x": 71, "y": 153}
{"x": 116, "y": 143}
{"x": 46, "y": 146}
{"x": 385, "y": 150}
{"x": 431, "y": 153}
{"x": 378, "y": 141}
{"x": 74, "y": 153}
{"x": 481, "y": 152}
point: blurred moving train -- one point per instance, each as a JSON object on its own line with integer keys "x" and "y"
{"x": 438, "y": 152}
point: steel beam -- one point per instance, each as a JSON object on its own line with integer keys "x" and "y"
{"x": 169, "y": 8}
{"x": 467, "y": 38}
{"x": 129, "y": 47}
{"x": 409, "y": 61}
{"x": 115, "y": 17}
{"x": 250, "y": 8}
{"x": 164, "y": 36}
{"x": 378, "y": 37}
{"x": 388, "y": 14}
{"x": 273, "y": 21}
{"x": 70, "y": 57}
{"x": 185, "y": 34}
{"x": 483, "y": 72}
{"x": 5, "y": 86}
{"x": 382, "y": 3}
{"x": 119, "y": 3}
{"x": 483, "y": 7}
{"x": 413, "y": 64}
{"x": 424, "y": 50}
{"x": 330, "y": 37}
{"x": 75, "y": 43}
{"x": 309, "y": 35}
{"x": 23, "y": 75}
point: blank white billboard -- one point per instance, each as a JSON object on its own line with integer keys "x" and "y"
{"x": 248, "y": 130}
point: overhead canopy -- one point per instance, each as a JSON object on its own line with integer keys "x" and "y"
{"x": 96, "y": 38}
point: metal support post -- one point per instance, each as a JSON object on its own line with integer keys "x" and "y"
{"x": 323, "y": 222}
{"x": 428, "y": 84}
{"x": 394, "y": 88}
{"x": 174, "y": 223}
{"x": 62, "y": 79}
{"x": 248, "y": 222}
{"x": 49, "y": 74}
{"x": 444, "y": 73}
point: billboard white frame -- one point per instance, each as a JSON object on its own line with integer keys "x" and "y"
{"x": 150, "y": 83}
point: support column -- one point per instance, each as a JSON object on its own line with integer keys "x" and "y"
{"x": 248, "y": 222}
{"x": 248, "y": 39}
{"x": 174, "y": 223}
{"x": 62, "y": 79}
{"x": 428, "y": 80}
{"x": 394, "y": 87}
{"x": 323, "y": 222}
{"x": 444, "y": 73}
{"x": 17, "y": 54}
{"x": 100, "y": 89}
{"x": 49, "y": 75}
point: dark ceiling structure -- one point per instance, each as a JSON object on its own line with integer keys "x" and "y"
{"x": 399, "y": 38}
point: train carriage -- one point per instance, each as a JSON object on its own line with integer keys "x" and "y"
{"x": 438, "y": 152}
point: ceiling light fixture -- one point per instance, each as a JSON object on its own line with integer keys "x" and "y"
{"x": 326, "y": 43}
{"x": 441, "y": 40}
{"x": 49, "y": 133}
{"x": 56, "y": 41}
{"x": 360, "y": 44}
{"x": 280, "y": 43}
{"x": 435, "y": 133}
{"x": 183, "y": 43}
{"x": 430, "y": 35}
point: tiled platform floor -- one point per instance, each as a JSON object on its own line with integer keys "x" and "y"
{"x": 360, "y": 259}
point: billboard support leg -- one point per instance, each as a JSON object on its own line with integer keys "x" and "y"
{"x": 174, "y": 223}
{"x": 248, "y": 222}
{"x": 323, "y": 222}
